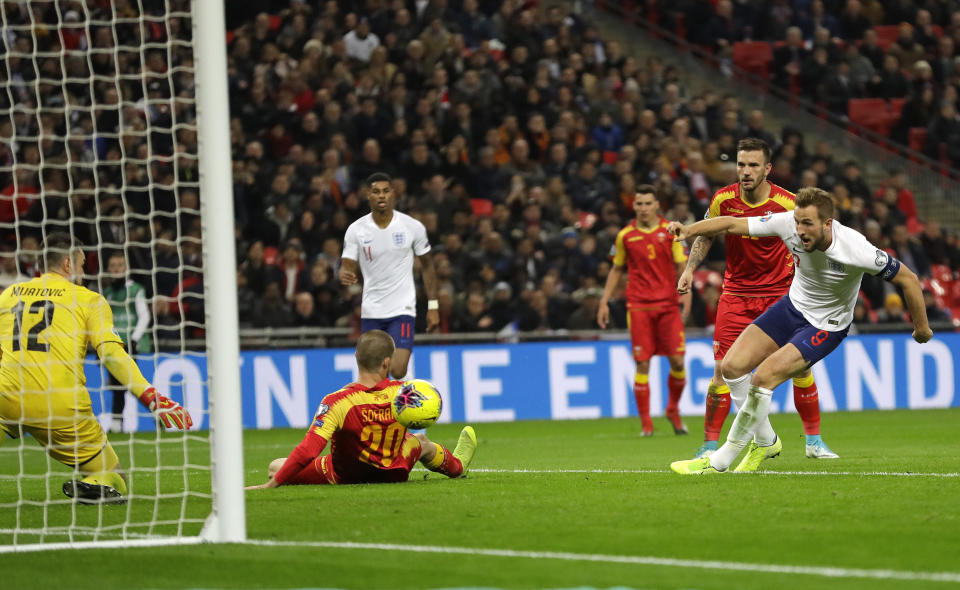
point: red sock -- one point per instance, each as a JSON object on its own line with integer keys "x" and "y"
{"x": 718, "y": 408}
{"x": 675, "y": 384}
{"x": 807, "y": 401}
{"x": 641, "y": 392}
{"x": 444, "y": 462}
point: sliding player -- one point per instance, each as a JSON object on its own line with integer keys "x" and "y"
{"x": 45, "y": 326}
{"x": 366, "y": 444}
{"x": 653, "y": 261}
{"x": 802, "y": 327}
{"x": 758, "y": 273}
{"x": 381, "y": 246}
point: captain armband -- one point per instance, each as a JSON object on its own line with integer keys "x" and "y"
{"x": 890, "y": 268}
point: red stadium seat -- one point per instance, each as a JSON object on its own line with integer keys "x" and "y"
{"x": 754, "y": 57}
{"x": 918, "y": 138}
{"x": 896, "y": 107}
{"x": 886, "y": 35}
{"x": 942, "y": 274}
{"x": 482, "y": 207}
{"x": 871, "y": 113}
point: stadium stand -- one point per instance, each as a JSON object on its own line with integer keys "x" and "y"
{"x": 513, "y": 132}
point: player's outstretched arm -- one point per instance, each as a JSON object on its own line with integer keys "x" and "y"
{"x": 125, "y": 370}
{"x": 907, "y": 280}
{"x": 710, "y": 227}
{"x": 309, "y": 449}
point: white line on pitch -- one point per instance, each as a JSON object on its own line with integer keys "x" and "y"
{"x": 830, "y": 572}
{"x": 639, "y": 471}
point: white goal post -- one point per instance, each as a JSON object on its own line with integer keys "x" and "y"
{"x": 93, "y": 86}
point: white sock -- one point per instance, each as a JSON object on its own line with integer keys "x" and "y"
{"x": 750, "y": 417}
{"x": 739, "y": 388}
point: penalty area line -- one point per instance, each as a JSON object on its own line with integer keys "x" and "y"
{"x": 828, "y": 572}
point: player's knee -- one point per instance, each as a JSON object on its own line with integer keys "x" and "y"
{"x": 730, "y": 369}
{"x": 275, "y": 466}
{"x": 643, "y": 367}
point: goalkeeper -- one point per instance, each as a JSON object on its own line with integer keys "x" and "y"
{"x": 46, "y": 324}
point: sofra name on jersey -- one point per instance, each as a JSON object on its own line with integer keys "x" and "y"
{"x": 376, "y": 415}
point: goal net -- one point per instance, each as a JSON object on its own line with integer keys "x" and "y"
{"x": 102, "y": 132}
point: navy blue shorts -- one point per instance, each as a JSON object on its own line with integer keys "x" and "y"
{"x": 399, "y": 327}
{"x": 784, "y": 324}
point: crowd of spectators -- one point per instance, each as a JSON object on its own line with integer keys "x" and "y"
{"x": 832, "y": 51}
{"x": 515, "y": 133}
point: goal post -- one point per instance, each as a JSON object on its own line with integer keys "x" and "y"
{"x": 228, "y": 522}
{"x": 114, "y": 127}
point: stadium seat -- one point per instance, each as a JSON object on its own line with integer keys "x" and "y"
{"x": 896, "y": 107}
{"x": 942, "y": 274}
{"x": 886, "y": 35}
{"x": 871, "y": 113}
{"x": 754, "y": 57}
{"x": 482, "y": 207}
{"x": 918, "y": 138}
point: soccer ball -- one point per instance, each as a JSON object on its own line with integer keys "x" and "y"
{"x": 417, "y": 405}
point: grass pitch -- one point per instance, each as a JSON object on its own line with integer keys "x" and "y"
{"x": 547, "y": 505}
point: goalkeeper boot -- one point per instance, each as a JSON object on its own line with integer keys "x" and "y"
{"x": 699, "y": 466}
{"x": 709, "y": 447}
{"x": 757, "y": 454}
{"x": 466, "y": 447}
{"x": 673, "y": 415}
{"x": 817, "y": 449}
{"x": 92, "y": 493}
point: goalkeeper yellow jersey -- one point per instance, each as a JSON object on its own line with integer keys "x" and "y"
{"x": 45, "y": 326}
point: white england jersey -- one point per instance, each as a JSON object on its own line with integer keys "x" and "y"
{"x": 826, "y": 283}
{"x": 386, "y": 263}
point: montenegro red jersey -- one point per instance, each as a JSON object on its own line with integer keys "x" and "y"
{"x": 651, "y": 257}
{"x": 361, "y": 429}
{"x": 758, "y": 267}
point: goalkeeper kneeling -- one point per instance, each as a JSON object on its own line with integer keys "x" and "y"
{"x": 46, "y": 324}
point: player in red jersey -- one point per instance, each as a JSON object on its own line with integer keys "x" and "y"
{"x": 653, "y": 261}
{"x": 366, "y": 444}
{"x": 759, "y": 272}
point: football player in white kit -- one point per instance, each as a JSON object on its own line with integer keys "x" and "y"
{"x": 805, "y": 325}
{"x": 381, "y": 247}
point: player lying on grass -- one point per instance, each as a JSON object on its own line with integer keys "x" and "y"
{"x": 46, "y": 324}
{"x": 367, "y": 445}
{"x": 805, "y": 325}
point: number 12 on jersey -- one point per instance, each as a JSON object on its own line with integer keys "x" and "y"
{"x": 43, "y": 307}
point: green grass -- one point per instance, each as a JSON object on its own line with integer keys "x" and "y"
{"x": 850, "y": 519}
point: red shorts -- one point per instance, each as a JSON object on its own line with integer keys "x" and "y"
{"x": 734, "y": 314}
{"x": 320, "y": 471}
{"x": 656, "y": 330}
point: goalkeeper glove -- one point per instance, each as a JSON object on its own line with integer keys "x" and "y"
{"x": 165, "y": 410}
